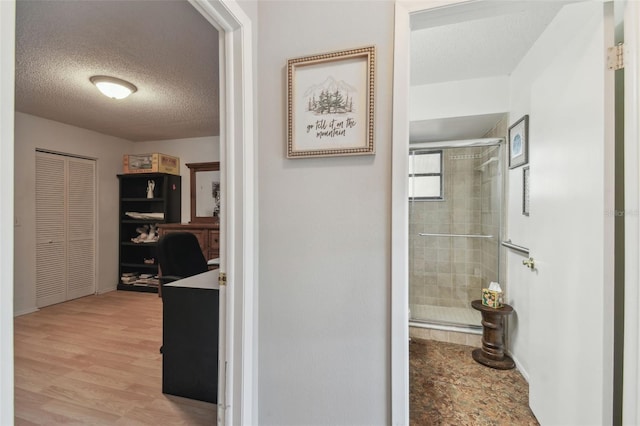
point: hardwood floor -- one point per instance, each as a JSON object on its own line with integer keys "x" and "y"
{"x": 96, "y": 360}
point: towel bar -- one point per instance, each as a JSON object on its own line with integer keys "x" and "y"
{"x": 516, "y": 247}
{"x": 456, "y": 235}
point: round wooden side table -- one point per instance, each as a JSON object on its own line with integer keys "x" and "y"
{"x": 492, "y": 352}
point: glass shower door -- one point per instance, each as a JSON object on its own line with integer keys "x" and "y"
{"x": 454, "y": 238}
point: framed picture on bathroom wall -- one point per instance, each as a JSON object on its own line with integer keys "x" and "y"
{"x": 330, "y": 101}
{"x": 519, "y": 143}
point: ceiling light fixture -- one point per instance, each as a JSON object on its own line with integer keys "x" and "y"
{"x": 112, "y": 87}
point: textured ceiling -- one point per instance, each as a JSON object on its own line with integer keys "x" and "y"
{"x": 482, "y": 40}
{"x": 165, "y": 48}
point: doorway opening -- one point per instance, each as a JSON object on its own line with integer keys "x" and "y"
{"x": 237, "y": 132}
{"x": 541, "y": 85}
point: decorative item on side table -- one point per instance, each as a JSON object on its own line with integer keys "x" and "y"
{"x": 519, "y": 143}
{"x": 330, "y": 104}
{"x": 492, "y": 296}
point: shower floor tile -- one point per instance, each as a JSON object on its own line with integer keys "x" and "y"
{"x": 445, "y": 315}
{"x": 447, "y": 387}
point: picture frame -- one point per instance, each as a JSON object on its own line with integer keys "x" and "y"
{"x": 330, "y": 104}
{"x": 525, "y": 191}
{"x": 519, "y": 143}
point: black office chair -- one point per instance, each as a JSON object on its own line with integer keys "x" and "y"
{"x": 180, "y": 256}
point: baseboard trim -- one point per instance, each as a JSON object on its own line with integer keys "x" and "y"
{"x": 446, "y": 327}
{"x": 25, "y": 311}
{"x": 522, "y": 371}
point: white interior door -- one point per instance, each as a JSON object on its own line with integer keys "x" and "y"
{"x": 570, "y": 192}
{"x": 65, "y": 228}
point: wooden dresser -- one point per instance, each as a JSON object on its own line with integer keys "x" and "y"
{"x": 208, "y": 235}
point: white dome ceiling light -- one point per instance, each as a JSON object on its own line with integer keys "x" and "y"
{"x": 112, "y": 87}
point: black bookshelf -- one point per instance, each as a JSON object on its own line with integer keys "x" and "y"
{"x": 140, "y": 257}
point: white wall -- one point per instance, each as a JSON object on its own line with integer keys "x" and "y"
{"x": 31, "y": 133}
{"x": 192, "y": 150}
{"x": 324, "y": 276}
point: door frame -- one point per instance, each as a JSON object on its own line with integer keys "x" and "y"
{"x": 7, "y": 88}
{"x": 237, "y": 394}
{"x": 631, "y": 372}
{"x": 400, "y": 207}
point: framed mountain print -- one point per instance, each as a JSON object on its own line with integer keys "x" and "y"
{"x": 330, "y": 104}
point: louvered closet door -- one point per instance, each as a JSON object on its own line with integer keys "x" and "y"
{"x": 80, "y": 227}
{"x": 65, "y": 228}
{"x": 51, "y": 274}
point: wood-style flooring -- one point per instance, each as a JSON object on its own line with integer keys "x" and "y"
{"x": 96, "y": 361}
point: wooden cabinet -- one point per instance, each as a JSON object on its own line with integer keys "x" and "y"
{"x": 208, "y": 235}
{"x": 142, "y": 209}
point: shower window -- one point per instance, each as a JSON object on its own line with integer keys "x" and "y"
{"x": 425, "y": 175}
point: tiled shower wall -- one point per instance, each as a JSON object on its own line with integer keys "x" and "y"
{"x": 447, "y": 271}
{"x": 451, "y": 271}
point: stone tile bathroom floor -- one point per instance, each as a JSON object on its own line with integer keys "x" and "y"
{"x": 447, "y": 387}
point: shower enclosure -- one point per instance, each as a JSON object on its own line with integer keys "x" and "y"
{"x": 455, "y": 212}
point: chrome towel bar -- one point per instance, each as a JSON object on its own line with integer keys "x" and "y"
{"x": 456, "y": 235}
{"x": 516, "y": 247}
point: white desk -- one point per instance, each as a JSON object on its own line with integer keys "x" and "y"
{"x": 206, "y": 280}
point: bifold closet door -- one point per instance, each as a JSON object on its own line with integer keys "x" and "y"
{"x": 65, "y": 228}
{"x": 51, "y": 273}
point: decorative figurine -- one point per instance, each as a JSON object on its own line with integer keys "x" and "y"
{"x": 146, "y": 234}
{"x": 153, "y": 234}
{"x": 151, "y": 185}
{"x": 143, "y": 233}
